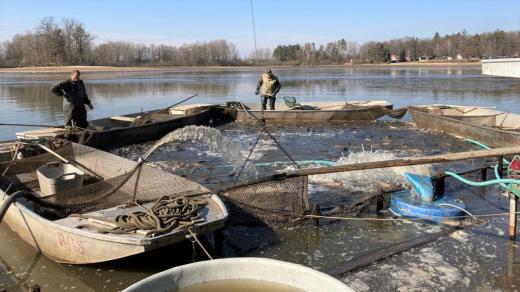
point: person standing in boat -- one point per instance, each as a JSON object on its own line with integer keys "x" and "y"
{"x": 74, "y": 100}
{"x": 268, "y": 86}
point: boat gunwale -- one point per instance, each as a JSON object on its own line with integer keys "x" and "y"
{"x": 204, "y": 111}
{"x": 107, "y": 237}
{"x": 223, "y": 212}
{"x": 498, "y": 130}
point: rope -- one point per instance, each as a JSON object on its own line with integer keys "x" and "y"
{"x": 264, "y": 128}
{"x": 248, "y": 156}
{"x": 256, "y": 49}
{"x": 483, "y": 146}
{"x": 168, "y": 214}
{"x": 505, "y": 117}
{"x": 254, "y": 28}
{"x": 194, "y": 236}
{"x": 459, "y": 208}
{"x": 483, "y": 183}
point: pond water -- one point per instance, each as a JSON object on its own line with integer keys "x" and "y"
{"x": 26, "y": 98}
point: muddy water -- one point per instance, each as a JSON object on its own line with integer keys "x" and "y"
{"x": 239, "y": 286}
{"x": 21, "y": 266}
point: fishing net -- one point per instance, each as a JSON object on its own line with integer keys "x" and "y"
{"x": 109, "y": 180}
{"x": 274, "y": 202}
{"x": 112, "y": 181}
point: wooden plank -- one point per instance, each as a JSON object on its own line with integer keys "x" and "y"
{"x": 40, "y": 133}
{"x": 122, "y": 119}
{"x": 382, "y": 253}
{"x": 408, "y": 161}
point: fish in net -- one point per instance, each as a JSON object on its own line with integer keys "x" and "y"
{"x": 112, "y": 181}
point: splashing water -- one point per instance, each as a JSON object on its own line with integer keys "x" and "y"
{"x": 365, "y": 180}
{"x": 215, "y": 141}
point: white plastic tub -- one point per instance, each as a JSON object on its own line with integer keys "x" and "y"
{"x": 55, "y": 177}
{"x": 259, "y": 269}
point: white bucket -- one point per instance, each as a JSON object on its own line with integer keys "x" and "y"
{"x": 56, "y": 177}
{"x": 256, "y": 269}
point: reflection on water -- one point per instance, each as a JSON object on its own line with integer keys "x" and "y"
{"x": 26, "y": 98}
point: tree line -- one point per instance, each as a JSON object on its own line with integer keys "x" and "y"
{"x": 497, "y": 44}
{"x": 69, "y": 43}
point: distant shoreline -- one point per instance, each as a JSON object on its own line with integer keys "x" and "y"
{"x": 66, "y": 69}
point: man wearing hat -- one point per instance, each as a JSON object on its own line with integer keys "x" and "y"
{"x": 269, "y": 86}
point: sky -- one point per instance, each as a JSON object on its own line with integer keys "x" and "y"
{"x": 176, "y": 22}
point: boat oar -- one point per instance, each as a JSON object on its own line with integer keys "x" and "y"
{"x": 31, "y": 125}
{"x": 66, "y": 161}
{"x": 148, "y": 117}
{"x": 174, "y": 105}
{"x": 43, "y": 126}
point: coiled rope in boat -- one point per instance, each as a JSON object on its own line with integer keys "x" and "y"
{"x": 168, "y": 214}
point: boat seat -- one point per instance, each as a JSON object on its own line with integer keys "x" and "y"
{"x": 123, "y": 119}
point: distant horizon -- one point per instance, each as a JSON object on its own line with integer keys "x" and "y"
{"x": 289, "y": 22}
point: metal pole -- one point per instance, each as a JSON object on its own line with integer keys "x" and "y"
{"x": 500, "y": 165}
{"x": 513, "y": 203}
{"x": 316, "y": 211}
{"x": 439, "y": 185}
{"x": 483, "y": 174}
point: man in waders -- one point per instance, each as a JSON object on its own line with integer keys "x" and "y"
{"x": 268, "y": 86}
{"x": 74, "y": 100}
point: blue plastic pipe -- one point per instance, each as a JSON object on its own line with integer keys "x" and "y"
{"x": 484, "y": 183}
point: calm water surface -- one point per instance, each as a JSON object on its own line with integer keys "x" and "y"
{"x": 26, "y": 98}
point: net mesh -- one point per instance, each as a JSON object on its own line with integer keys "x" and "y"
{"x": 109, "y": 180}
{"x": 275, "y": 202}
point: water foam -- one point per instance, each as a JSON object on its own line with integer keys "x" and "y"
{"x": 216, "y": 143}
{"x": 363, "y": 180}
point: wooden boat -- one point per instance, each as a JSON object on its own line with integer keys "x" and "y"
{"x": 64, "y": 238}
{"x": 117, "y": 131}
{"x": 489, "y": 126}
{"x": 318, "y": 112}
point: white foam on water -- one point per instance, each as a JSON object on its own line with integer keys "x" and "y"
{"x": 217, "y": 144}
{"x": 460, "y": 235}
{"x": 365, "y": 180}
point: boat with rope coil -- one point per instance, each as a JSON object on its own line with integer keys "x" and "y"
{"x": 122, "y": 208}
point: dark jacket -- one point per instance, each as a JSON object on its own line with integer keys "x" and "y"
{"x": 74, "y": 93}
{"x": 74, "y": 100}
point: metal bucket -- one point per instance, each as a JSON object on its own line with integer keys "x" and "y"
{"x": 55, "y": 177}
{"x": 255, "y": 269}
